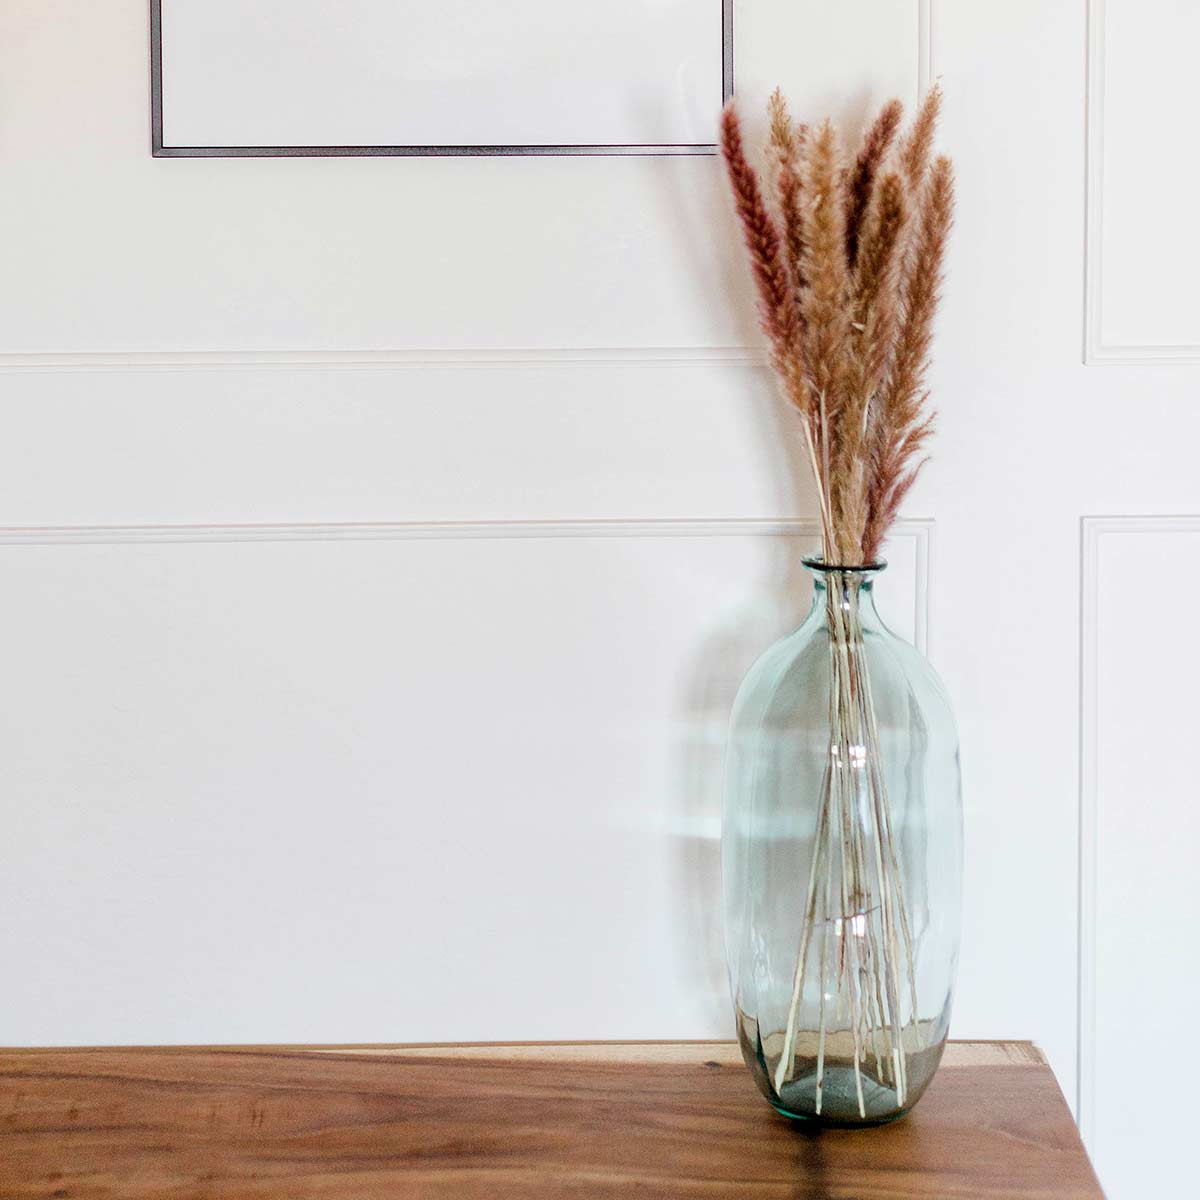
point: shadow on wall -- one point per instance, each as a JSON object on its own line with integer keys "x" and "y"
{"x": 772, "y": 605}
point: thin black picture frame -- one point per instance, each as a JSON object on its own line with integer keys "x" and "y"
{"x": 159, "y": 150}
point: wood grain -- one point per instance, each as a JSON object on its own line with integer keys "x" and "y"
{"x": 585, "y": 1121}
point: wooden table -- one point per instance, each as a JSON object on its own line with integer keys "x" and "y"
{"x": 529, "y": 1121}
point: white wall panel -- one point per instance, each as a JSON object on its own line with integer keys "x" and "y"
{"x": 487, "y": 443}
{"x": 393, "y": 783}
{"x": 376, "y": 254}
{"x": 1141, "y": 823}
{"x": 1144, "y": 242}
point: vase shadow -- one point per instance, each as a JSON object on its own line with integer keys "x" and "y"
{"x": 773, "y": 604}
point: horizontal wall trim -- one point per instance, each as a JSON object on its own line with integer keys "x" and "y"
{"x": 1143, "y": 355}
{"x": 324, "y": 531}
{"x": 920, "y": 530}
{"x": 388, "y": 531}
{"x": 428, "y": 359}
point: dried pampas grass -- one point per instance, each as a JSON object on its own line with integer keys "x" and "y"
{"x": 848, "y": 256}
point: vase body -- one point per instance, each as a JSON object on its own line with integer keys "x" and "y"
{"x": 842, "y": 863}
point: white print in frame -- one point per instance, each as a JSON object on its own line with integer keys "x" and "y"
{"x": 407, "y": 77}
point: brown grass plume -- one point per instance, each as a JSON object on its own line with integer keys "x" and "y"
{"x": 876, "y": 144}
{"x": 848, "y": 259}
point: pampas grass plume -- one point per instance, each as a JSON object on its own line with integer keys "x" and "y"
{"x": 848, "y": 257}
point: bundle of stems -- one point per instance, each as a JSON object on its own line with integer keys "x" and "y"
{"x": 847, "y": 256}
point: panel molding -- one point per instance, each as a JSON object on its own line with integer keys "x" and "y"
{"x": 925, "y": 70}
{"x": 427, "y": 358}
{"x": 1094, "y": 531}
{"x": 918, "y": 530}
{"x": 464, "y": 358}
{"x": 1096, "y": 350}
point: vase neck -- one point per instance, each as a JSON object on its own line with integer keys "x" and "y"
{"x": 851, "y": 588}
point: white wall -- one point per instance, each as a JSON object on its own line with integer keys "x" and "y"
{"x": 269, "y": 774}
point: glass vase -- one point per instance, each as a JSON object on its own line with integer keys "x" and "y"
{"x": 842, "y": 862}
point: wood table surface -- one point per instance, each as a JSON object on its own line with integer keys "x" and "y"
{"x": 581, "y": 1120}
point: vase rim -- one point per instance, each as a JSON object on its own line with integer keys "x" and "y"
{"x": 814, "y": 562}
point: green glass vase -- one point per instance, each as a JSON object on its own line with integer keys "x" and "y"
{"x": 842, "y": 862}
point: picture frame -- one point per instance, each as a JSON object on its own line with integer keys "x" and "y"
{"x": 225, "y": 84}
